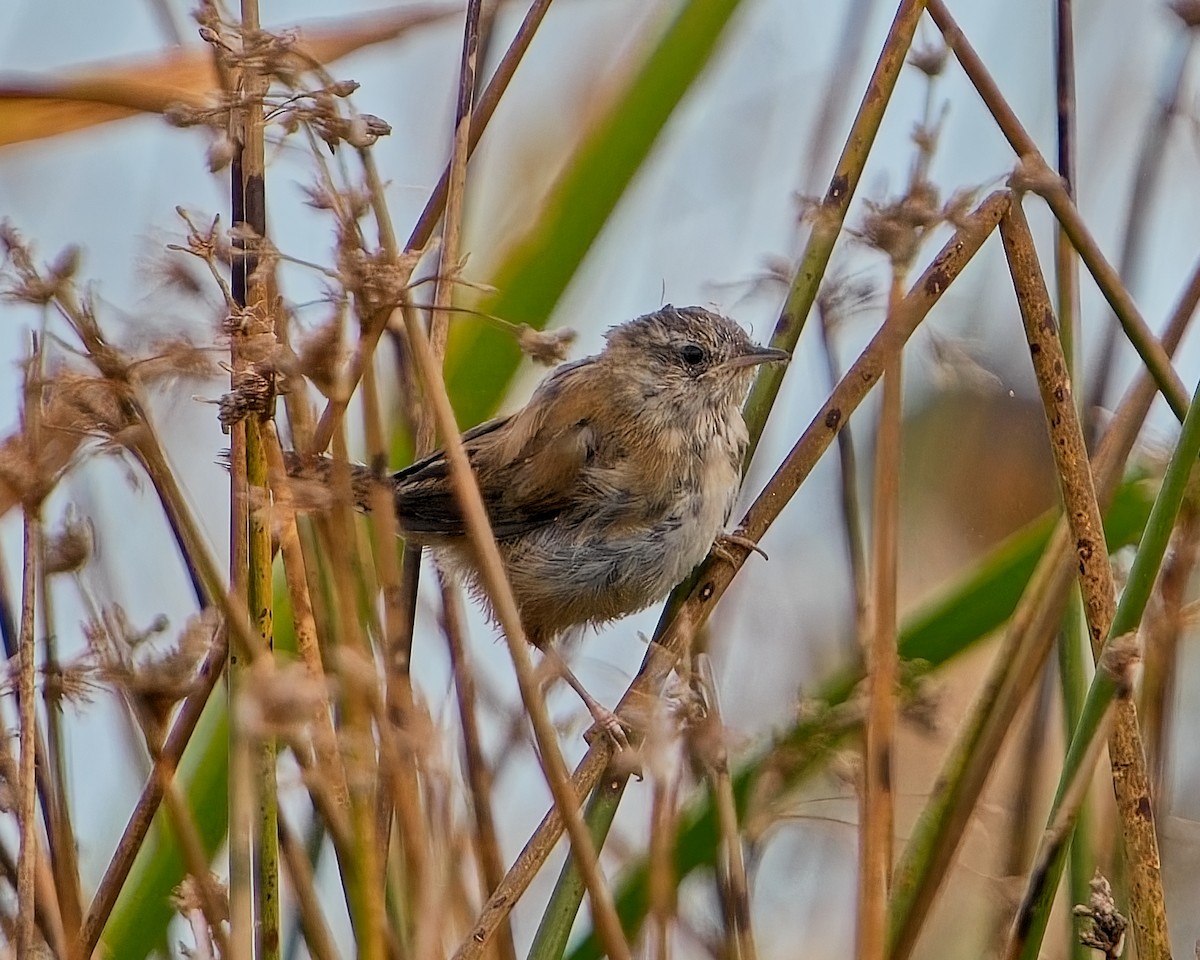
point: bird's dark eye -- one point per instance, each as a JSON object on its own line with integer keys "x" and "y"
{"x": 692, "y": 354}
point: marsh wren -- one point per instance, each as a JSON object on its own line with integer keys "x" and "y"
{"x": 609, "y": 486}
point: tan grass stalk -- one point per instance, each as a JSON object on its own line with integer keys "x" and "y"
{"x": 662, "y": 879}
{"x": 27, "y": 714}
{"x": 707, "y": 745}
{"x": 479, "y": 774}
{"x": 47, "y": 916}
{"x": 1066, "y": 263}
{"x": 60, "y": 832}
{"x": 317, "y": 936}
{"x": 356, "y": 739}
{"x": 399, "y": 611}
{"x": 878, "y": 804}
{"x": 253, "y": 836}
{"x": 496, "y": 581}
{"x": 851, "y": 509}
{"x": 1131, "y": 781}
{"x": 304, "y": 622}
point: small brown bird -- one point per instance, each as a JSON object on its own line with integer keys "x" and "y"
{"x": 609, "y": 486}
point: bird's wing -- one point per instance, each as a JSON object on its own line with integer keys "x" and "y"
{"x": 528, "y": 465}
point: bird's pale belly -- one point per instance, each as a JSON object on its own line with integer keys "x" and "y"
{"x": 597, "y": 576}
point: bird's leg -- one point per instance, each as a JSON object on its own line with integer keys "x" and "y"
{"x": 724, "y": 543}
{"x": 606, "y": 720}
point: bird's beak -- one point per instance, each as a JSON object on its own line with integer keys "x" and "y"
{"x": 757, "y": 355}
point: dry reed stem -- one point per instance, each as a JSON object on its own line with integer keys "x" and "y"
{"x": 661, "y": 873}
{"x": 165, "y": 762}
{"x": 495, "y": 582}
{"x": 253, "y": 838}
{"x": 241, "y": 884}
{"x": 718, "y": 571}
{"x": 479, "y": 774}
{"x": 1131, "y": 781}
{"x": 182, "y": 822}
{"x": 60, "y": 832}
{"x": 143, "y": 442}
{"x": 1066, "y": 264}
{"x": 1162, "y": 638}
{"x": 243, "y": 791}
{"x": 27, "y": 715}
{"x": 303, "y": 621}
{"x": 847, "y": 487}
{"x": 357, "y": 740}
{"x": 707, "y": 745}
{"x": 398, "y": 617}
{"x": 1070, "y": 674}
{"x": 485, "y": 107}
{"x": 423, "y": 230}
{"x": 33, "y": 773}
{"x": 47, "y": 916}
{"x": 1152, "y": 155}
{"x": 1058, "y": 833}
{"x": 484, "y": 544}
{"x": 317, "y": 937}
{"x": 424, "y": 886}
{"x": 1038, "y": 176}
{"x": 195, "y": 857}
{"x": 1019, "y": 660}
{"x": 877, "y": 802}
{"x": 149, "y": 452}
{"x": 1066, "y": 433}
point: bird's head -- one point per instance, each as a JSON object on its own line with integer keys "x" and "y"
{"x": 687, "y": 359}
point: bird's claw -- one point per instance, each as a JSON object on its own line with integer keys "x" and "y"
{"x": 607, "y": 724}
{"x": 724, "y": 544}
